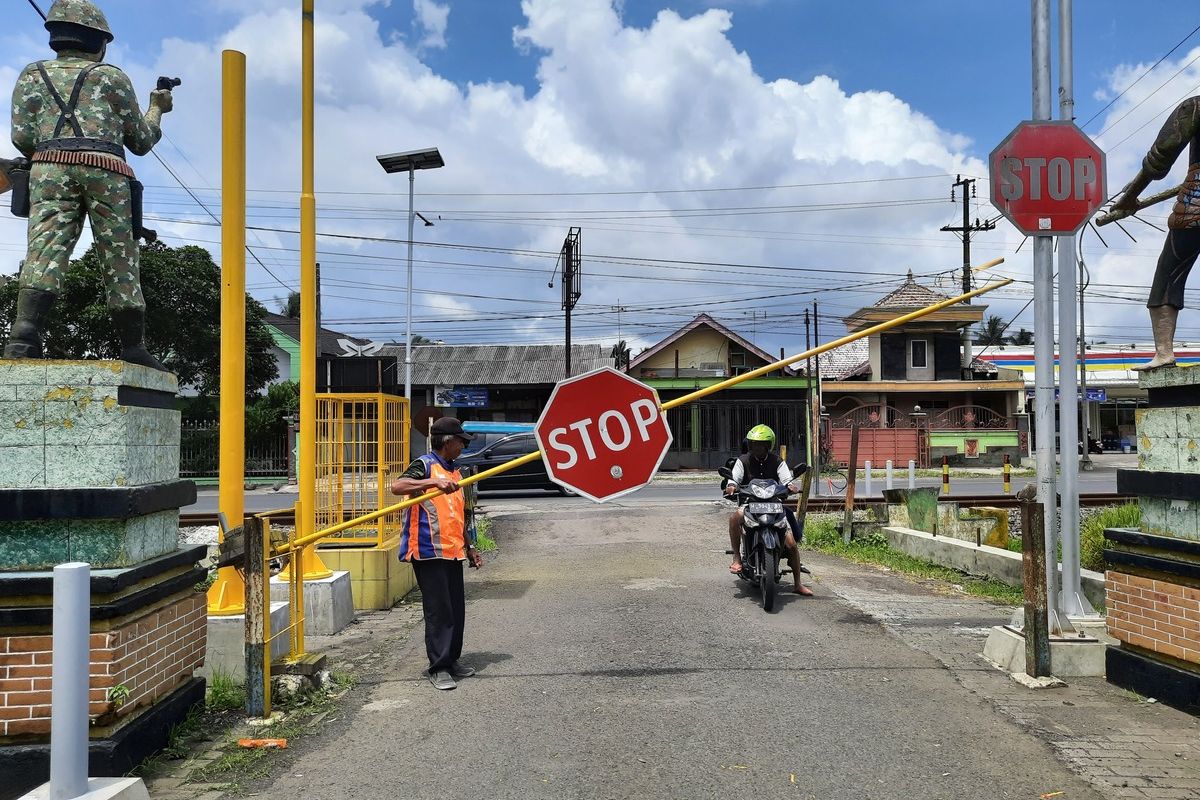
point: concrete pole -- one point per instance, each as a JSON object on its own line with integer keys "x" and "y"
{"x": 69, "y": 681}
{"x": 867, "y": 482}
{"x": 912, "y": 474}
{"x": 1043, "y": 314}
{"x": 408, "y": 315}
{"x": 1072, "y": 601}
{"x": 891, "y": 482}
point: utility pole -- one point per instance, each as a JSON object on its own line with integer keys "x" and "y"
{"x": 572, "y": 284}
{"x": 818, "y": 404}
{"x": 1085, "y": 463}
{"x": 965, "y": 230}
{"x": 808, "y": 373}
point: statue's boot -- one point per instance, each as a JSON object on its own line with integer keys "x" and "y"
{"x": 1162, "y": 321}
{"x": 25, "y": 338}
{"x": 131, "y": 327}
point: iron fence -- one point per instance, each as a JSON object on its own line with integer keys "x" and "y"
{"x": 200, "y": 451}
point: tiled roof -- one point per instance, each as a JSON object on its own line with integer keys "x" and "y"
{"x": 498, "y": 365}
{"x": 697, "y": 321}
{"x": 327, "y": 340}
{"x": 911, "y": 295}
{"x": 847, "y": 361}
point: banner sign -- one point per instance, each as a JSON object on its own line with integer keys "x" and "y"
{"x": 460, "y": 396}
{"x": 1094, "y": 395}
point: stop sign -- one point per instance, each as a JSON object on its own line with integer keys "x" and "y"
{"x": 1047, "y": 177}
{"x": 602, "y": 434}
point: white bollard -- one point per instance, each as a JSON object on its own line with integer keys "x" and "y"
{"x": 69, "y": 681}
{"x": 912, "y": 474}
{"x": 867, "y": 485}
{"x": 890, "y": 482}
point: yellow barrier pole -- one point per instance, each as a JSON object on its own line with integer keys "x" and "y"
{"x": 725, "y": 384}
{"x": 227, "y": 595}
{"x": 306, "y": 522}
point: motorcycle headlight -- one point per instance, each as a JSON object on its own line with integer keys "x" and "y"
{"x": 764, "y": 492}
{"x": 764, "y": 518}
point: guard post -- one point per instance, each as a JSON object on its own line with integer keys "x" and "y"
{"x": 1033, "y": 562}
{"x": 945, "y": 474}
{"x": 1007, "y": 476}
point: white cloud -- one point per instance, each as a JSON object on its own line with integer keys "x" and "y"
{"x": 671, "y": 106}
{"x": 432, "y": 17}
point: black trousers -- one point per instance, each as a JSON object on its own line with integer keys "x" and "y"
{"x": 1170, "y": 278}
{"x": 444, "y": 604}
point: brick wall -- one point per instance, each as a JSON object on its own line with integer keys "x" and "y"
{"x": 149, "y": 655}
{"x": 1155, "y": 615}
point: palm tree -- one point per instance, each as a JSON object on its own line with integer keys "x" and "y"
{"x": 992, "y": 332}
{"x": 291, "y": 306}
{"x": 620, "y": 353}
{"x": 1022, "y": 338}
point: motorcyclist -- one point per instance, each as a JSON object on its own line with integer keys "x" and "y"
{"x": 762, "y": 462}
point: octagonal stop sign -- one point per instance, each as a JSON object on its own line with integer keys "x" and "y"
{"x": 1047, "y": 177}
{"x": 602, "y": 434}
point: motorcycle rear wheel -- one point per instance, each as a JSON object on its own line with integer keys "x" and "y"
{"x": 768, "y": 582}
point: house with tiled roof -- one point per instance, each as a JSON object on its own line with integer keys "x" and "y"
{"x": 705, "y": 352}
{"x": 910, "y": 393}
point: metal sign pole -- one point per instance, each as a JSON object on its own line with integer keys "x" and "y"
{"x": 1043, "y": 314}
{"x": 1072, "y": 601}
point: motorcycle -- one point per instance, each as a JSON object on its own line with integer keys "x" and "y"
{"x": 764, "y": 527}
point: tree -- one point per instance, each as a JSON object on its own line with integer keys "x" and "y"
{"x": 182, "y": 287}
{"x": 291, "y": 306}
{"x": 620, "y": 353}
{"x": 992, "y": 332}
{"x": 1022, "y": 338}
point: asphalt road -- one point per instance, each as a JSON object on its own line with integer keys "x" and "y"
{"x": 618, "y": 659}
{"x": 663, "y": 492}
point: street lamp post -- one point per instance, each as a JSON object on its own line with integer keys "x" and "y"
{"x": 410, "y": 162}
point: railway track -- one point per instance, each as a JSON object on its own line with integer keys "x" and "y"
{"x": 816, "y": 505}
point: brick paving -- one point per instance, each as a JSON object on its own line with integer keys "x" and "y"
{"x": 1125, "y": 746}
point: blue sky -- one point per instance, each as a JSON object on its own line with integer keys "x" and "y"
{"x": 699, "y": 96}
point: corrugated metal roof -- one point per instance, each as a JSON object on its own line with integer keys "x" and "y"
{"x": 498, "y": 365}
{"x": 911, "y": 295}
{"x": 327, "y": 340}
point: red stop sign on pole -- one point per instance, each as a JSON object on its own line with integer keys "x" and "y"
{"x": 602, "y": 434}
{"x": 1047, "y": 177}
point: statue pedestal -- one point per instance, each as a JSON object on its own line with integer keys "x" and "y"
{"x": 89, "y": 471}
{"x": 1153, "y": 581}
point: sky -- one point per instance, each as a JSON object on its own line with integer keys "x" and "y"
{"x": 742, "y": 158}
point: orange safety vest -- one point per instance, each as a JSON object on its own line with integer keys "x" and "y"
{"x": 436, "y": 528}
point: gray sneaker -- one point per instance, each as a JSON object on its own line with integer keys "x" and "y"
{"x": 461, "y": 670}
{"x": 442, "y": 680}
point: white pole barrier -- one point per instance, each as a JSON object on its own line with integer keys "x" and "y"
{"x": 890, "y": 482}
{"x": 867, "y": 485}
{"x": 69, "y": 681}
{"x": 912, "y": 474}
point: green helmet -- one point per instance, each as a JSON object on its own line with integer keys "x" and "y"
{"x": 762, "y": 433}
{"x": 79, "y": 12}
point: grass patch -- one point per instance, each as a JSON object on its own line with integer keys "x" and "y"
{"x": 236, "y": 766}
{"x": 1091, "y": 533}
{"x": 483, "y": 531}
{"x": 873, "y": 549}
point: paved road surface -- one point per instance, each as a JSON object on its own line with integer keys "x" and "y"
{"x": 617, "y": 661}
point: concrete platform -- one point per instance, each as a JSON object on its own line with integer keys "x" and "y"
{"x": 378, "y": 578}
{"x": 101, "y": 789}
{"x": 328, "y": 603}
{"x": 1075, "y": 657}
{"x": 226, "y": 653}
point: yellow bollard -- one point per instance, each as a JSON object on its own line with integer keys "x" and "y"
{"x": 945, "y": 474}
{"x": 227, "y": 596}
{"x": 1007, "y": 476}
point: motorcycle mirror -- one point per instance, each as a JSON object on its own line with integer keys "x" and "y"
{"x": 725, "y": 472}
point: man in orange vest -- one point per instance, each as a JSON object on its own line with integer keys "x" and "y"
{"x": 436, "y": 541}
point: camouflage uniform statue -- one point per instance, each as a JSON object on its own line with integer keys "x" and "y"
{"x": 1181, "y": 130}
{"x": 73, "y": 117}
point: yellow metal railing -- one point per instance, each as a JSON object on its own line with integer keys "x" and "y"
{"x": 362, "y": 439}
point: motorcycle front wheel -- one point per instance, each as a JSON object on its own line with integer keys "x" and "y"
{"x": 768, "y": 581}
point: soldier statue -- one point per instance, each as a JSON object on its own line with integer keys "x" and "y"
{"x": 72, "y": 118}
{"x": 1181, "y": 130}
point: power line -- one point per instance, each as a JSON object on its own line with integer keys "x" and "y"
{"x": 1139, "y": 78}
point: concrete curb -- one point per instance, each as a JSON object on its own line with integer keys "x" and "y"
{"x": 992, "y": 562}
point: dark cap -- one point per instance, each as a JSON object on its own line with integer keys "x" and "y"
{"x": 450, "y": 426}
